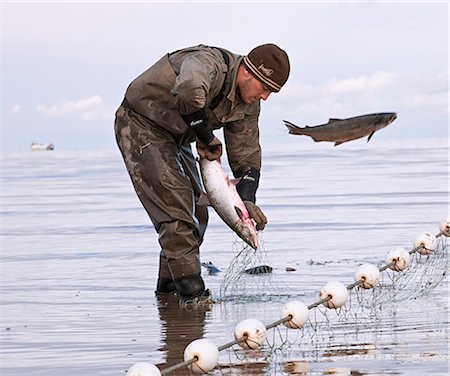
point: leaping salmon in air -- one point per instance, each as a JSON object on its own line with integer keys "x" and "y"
{"x": 344, "y": 130}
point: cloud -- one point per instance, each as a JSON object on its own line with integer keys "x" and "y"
{"x": 432, "y": 100}
{"x": 16, "y": 109}
{"x": 338, "y": 97}
{"x": 428, "y": 90}
{"x": 332, "y": 90}
{"x": 377, "y": 91}
{"x": 364, "y": 83}
{"x": 87, "y": 109}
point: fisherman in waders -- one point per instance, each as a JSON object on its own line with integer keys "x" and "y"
{"x": 181, "y": 99}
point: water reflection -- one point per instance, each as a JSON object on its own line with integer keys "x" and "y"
{"x": 179, "y": 327}
{"x": 246, "y": 368}
{"x": 340, "y": 371}
{"x": 296, "y": 368}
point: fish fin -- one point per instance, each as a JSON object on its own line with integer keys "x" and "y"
{"x": 239, "y": 212}
{"x": 292, "y": 128}
{"x": 203, "y": 200}
{"x": 338, "y": 143}
{"x": 370, "y": 136}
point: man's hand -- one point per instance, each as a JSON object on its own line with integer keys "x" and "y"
{"x": 211, "y": 151}
{"x": 256, "y": 214}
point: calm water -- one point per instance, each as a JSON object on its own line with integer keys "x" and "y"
{"x": 80, "y": 259}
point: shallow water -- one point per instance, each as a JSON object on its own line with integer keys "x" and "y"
{"x": 80, "y": 259}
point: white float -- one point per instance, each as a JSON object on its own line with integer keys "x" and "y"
{"x": 444, "y": 226}
{"x": 368, "y": 275}
{"x": 298, "y": 312}
{"x": 400, "y": 258}
{"x": 338, "y": 293}
{"x": 253, "y": 331}
{"x": 427, "y": 243}
{"x": 143, "y": 369}
{"x": 206, "y": 354}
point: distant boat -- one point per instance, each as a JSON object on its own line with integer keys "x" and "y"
{"x": 35, "y": 146}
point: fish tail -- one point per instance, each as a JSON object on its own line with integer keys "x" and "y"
{"x": 293, "y": 129}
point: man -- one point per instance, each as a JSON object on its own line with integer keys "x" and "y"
{"x": 182, "y": 98}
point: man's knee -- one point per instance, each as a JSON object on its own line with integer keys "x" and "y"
{"x": 179, "y": 239}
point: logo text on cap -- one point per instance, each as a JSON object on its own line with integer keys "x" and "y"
{"x": 267, "y": 71}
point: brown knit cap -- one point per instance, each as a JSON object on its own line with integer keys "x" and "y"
{"x": 269, "y": 64}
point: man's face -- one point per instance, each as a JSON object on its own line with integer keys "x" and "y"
{"x": 250, "y": 89}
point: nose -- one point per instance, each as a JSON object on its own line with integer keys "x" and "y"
{"x": 265, "y": 94}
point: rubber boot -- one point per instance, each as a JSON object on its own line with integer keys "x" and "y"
{"x": 165, "y": 285}
{"x": 190, "y": 286}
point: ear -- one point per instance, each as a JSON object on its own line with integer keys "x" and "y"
{"x": 243, "y": 71}
{"x": 247, "y": 73}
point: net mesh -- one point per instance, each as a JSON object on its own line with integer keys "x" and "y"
{"x": 423, "y": 274}
{"x": 239, "y": 286}
{"x": 368, "y": 313}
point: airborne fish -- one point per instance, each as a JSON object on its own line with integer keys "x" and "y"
{"x": 343, "y": 130}
{"x": 223, "y": 197}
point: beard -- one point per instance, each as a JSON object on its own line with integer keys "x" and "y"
{"x": 244, "y": 92}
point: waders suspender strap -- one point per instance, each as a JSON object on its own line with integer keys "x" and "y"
{"x": 221, "y": 94}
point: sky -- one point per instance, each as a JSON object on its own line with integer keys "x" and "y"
{"x": 65, "y": 65}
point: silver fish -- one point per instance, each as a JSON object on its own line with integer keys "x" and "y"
{"x": 223, "y": 197}
{"x": 344, "y": 130}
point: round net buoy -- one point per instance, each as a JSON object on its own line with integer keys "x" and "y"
{"x": 205, "y": 353}
{"x": 337, "y": 292}
{"x": 427, "y": 243}
{"x": 298, "y": 313}
{"x": 444, "y": 226}
{"x": 143, "y": 369}
{"x": 250, "y": 333}
{"x": 398, "y": 259}
{"x": 368, "y": 275}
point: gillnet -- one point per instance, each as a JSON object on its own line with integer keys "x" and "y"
{"x": 347, "y": 320}
{"x": 249, "y": 276}
{"x": 423, "y": 274}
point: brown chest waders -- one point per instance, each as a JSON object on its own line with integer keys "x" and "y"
{"x": 166, "y": 180}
